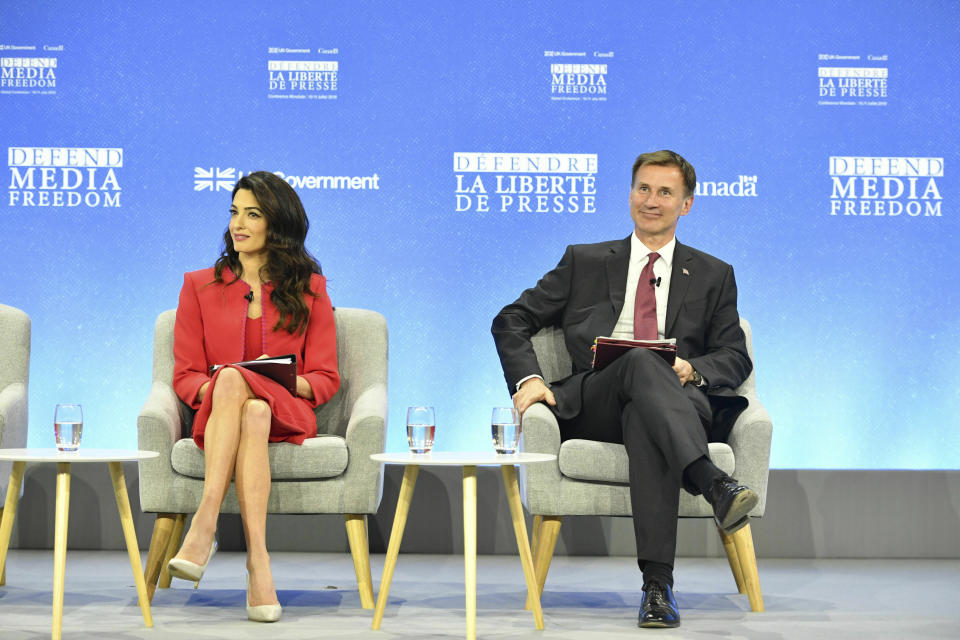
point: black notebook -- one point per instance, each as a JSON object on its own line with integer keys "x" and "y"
{"x": 281, "y": 369}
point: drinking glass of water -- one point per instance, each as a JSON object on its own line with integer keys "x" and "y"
{"x": 421, "y": 425}
{"x": 505, "y": 427}
{"x": 68, "y": 426}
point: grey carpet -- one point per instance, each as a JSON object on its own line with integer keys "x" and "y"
{"x": 586, "y": 597}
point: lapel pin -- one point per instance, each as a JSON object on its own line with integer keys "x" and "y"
{"x": 685, "y": 272}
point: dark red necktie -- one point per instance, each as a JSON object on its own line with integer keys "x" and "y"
{"x": 645, "y": 305}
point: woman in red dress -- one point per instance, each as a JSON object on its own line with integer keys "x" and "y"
{"x": 265, "y": 296}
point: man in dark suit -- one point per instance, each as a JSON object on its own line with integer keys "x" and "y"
{"x": 645, "y": 286}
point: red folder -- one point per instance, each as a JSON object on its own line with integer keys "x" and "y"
{"x": 606, "y": 349}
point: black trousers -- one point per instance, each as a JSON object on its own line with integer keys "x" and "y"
{"x": 638, "y": 401}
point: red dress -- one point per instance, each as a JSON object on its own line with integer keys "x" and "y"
{"x": 211, "y": 328}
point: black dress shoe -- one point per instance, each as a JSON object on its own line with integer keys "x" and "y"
{"x": 732, "y": 503}
{"x": 658, "y": 609}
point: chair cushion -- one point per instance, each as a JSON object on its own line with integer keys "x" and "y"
{"x": 607, "y": 462}
{"x": 320, "y": 457}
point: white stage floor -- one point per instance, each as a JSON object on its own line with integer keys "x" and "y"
{"x": 595, "y": 597}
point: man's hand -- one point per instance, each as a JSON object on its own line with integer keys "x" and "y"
{"x": 532, "y": 391}
{"x": 684, "y": 370}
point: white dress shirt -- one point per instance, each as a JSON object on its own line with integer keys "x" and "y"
{"x": 661, "y": 269}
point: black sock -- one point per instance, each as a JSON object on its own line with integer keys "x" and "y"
{"x": 657, "y": 571}
{"x": 701, "y": 473}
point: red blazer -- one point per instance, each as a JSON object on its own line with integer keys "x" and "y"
{"x": 209, "y": 329}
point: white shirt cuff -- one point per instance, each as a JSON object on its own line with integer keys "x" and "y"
{"x": 527, "y": 378}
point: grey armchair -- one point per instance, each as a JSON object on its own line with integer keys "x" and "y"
{"x": 14, "y": 374}
{"x": 331, "y": 473}
{"x": 590, "y": 478}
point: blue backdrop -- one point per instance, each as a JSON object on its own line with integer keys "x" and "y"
{"x": 447, "y": 153}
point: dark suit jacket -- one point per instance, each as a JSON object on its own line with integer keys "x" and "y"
{"x": 584, "y": 296}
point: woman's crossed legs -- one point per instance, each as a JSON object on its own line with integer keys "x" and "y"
{"x": 235, "y": 446}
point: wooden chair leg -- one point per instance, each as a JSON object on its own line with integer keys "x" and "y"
{"x": 733, "y": 559}
{"x": 535, "y": 533}
{"x": 360, "y": 550}
{"x": 10, "y": 508}
{"x": 743, "y": 540}
{"x": 176, "y": 537}
{"x": 546, "y": 541}
{"x": 3, "y": 573}
{"x": 162, "y": 530}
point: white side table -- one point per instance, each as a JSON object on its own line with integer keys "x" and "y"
{"x": 469, "y": 461}
{"x": 113, "y": 458}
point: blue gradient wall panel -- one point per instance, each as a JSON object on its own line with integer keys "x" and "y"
{"x": 800, "y": 119}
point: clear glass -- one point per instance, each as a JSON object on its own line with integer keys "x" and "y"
{"x": 505, "y": 428}
{"x": 68, "y": 426}
{"x": 421, "y": 425}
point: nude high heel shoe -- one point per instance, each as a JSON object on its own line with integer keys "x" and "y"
{"x": 262, "y": 612}
{"x": 187, "y": 570}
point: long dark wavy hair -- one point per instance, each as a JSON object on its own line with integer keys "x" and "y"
{"x": 289, "y": 265}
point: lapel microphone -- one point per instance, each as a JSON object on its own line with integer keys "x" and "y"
{"x": 655, "y": 281}
{"x": 249, "y": 296}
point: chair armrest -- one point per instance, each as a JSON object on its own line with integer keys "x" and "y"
{"x": 13, "y": 416}
{"x": 750, "y": 440}
{"x": 371, "y": 403}
{"x": 540, "y": 482}
{"x": 158, "y": 428}
{"x": 541, "y": 433}
{"x": 366, "y": 434}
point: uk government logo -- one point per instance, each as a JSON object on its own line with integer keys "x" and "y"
{"x": 579, "y": 76}
{"x": 884, "y": 186}
{"x": 64, "y": 176}
{"x": 302, "y": 79}
{"x": 525, "y": 182}
{"x": 214, "y": 179}
{"x": 853, "y": 84}
{"x": 29, "y": 70}
{"x": 224, "y": 179}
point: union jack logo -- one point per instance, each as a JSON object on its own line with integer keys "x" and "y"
{"x": 214, "y": 179}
